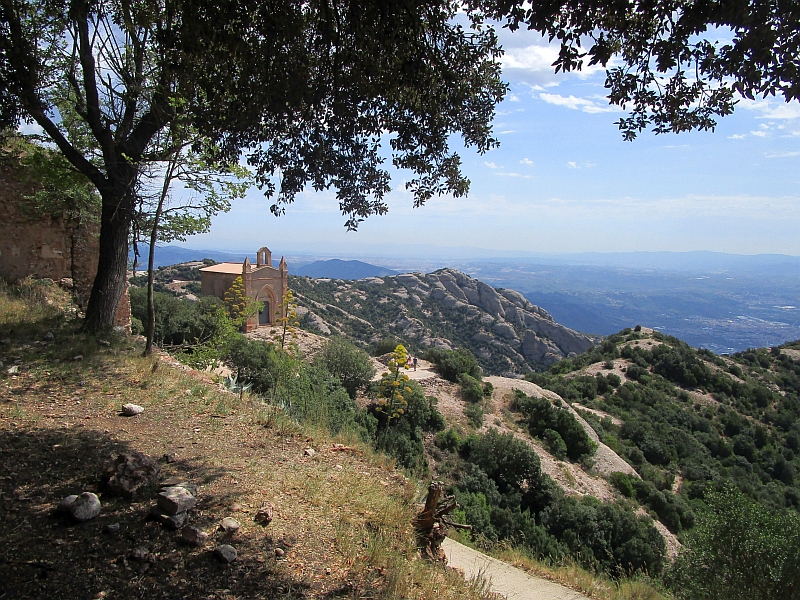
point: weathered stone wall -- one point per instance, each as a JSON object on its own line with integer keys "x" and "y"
{"x": 54, "y": 247}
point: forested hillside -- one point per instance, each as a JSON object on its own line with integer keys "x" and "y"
{"x": 691, "y": 418}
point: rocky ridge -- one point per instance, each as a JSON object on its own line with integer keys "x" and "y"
{"x": 446, "y": 308}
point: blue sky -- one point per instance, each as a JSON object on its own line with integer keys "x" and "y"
{"x": 563, "y": 180}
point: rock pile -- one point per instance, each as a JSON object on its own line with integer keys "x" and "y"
{"x": 174, "y": 500}
{"x": 131, "y": 475}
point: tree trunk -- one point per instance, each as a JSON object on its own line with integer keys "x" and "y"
{"x": 112, "y": 264}
{"x": 151, "y": 309}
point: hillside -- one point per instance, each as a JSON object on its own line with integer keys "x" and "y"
{"x": 445, "y": 309}
{"x": 686, "y": 418}
{"x": 340, "y": 515}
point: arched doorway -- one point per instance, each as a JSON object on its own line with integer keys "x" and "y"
{"x": 264, "y": 315}
{"x": 267, "y": 296}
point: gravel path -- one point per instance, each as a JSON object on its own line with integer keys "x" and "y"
{"x": 508, "y": 581}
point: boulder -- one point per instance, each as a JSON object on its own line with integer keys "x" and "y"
{"x": 85, "y": 507}
{"x": 176, "y": 499}
{"x": 225, "y": 553}
{"x": 131, "y": 475}
{"x": 131, "y": 410}
{"x": 174, "y": 522}
{"x": 194, "y": 536}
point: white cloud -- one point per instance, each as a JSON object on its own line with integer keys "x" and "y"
{"x": 512, "y": 98}
{"x": 574, "y": 103}
{"x": 536, "y": 58}
{"x": 30, "y": 129}
{"x": 573, "y": 165}
{"x": 759, "y": 133}
{"x": 737, "y": 136}
{"x": 526, "y": 161}
{"x": 514, "y": 175}
{"x": 506, "y": 132}
{"x": 772, "y": 108}
{"x": 491, "y": 165}
{"x": 781, "y": 154}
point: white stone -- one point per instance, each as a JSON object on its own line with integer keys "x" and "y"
{"x": 131, "y": 410}
{"x": 85, "y": 507}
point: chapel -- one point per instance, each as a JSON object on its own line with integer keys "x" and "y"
{"x": 262, "y": 282}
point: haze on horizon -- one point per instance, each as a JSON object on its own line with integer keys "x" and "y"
{"x": 564, "y": 181}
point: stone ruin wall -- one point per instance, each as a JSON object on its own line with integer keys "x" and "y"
{"x": 56, "y": 248}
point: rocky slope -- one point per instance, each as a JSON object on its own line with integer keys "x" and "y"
{"x": 447, "y": 308}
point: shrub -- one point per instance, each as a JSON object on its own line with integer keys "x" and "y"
{"x": 385, "y": 345}
{"x": 739, "y": 550}
{"x": 508, "y": 461}
{"x": 257, "y": 362}
{"x": 474, "y": 413}
{"x": 555, "y": 444}
{"x": 450, "y": 364}
{"x": 178, "y": 321}
{"x": 540, "y": 415}
{"x": 622, "y": 481}
{"x": 488, "y": 389}
{"x": 351, "y": 365}
{"x": 470, "y": 388}
{"x": 448, "y": 440}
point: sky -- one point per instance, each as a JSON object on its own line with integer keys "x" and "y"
{"x": 564, "y": 181}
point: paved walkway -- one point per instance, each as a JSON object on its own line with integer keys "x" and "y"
{"x": 508, "y": 581}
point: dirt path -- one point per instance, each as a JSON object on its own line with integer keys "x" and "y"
{"x": 503, "y": 579}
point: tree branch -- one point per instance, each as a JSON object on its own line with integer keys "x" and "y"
{"x": 94, "y": 116}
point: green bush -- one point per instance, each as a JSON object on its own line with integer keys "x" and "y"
{"x": 555, "y": 444}
{"x": 257, "y": 362}
{"x": 470, "y": 388}
{"x": 474, "y": 413}
{"x": 509, "y": 462}
{"x": 385, "y": 346}
{"x": 739, "y": 551}
{"x": 401, "y": 436}
{"x": 450, "y": 364}
{"x": 541, "y": 415}
{"x": 351, "y": 365}
{"x": 137, "y": 328}
{"x": 488, "y": 389}
{"x": 448, "y": 440}
{"x": 178, "y": 321}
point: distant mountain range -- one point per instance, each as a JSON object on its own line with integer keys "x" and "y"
{"x": 342, "y": 269}
{"x": 724, "y": 302}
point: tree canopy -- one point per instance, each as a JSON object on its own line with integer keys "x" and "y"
{"x": 307, "y": 91}
{"x": 676, "y": 65}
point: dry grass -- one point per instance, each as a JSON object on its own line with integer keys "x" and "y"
{"x": 342, "y": 517}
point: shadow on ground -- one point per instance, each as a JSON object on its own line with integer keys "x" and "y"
{"x": 44, "y": 556}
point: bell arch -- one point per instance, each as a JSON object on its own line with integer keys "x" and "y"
{"x": 263, "y": 257}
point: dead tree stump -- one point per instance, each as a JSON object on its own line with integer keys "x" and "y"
{"x": 431, "y": 525}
